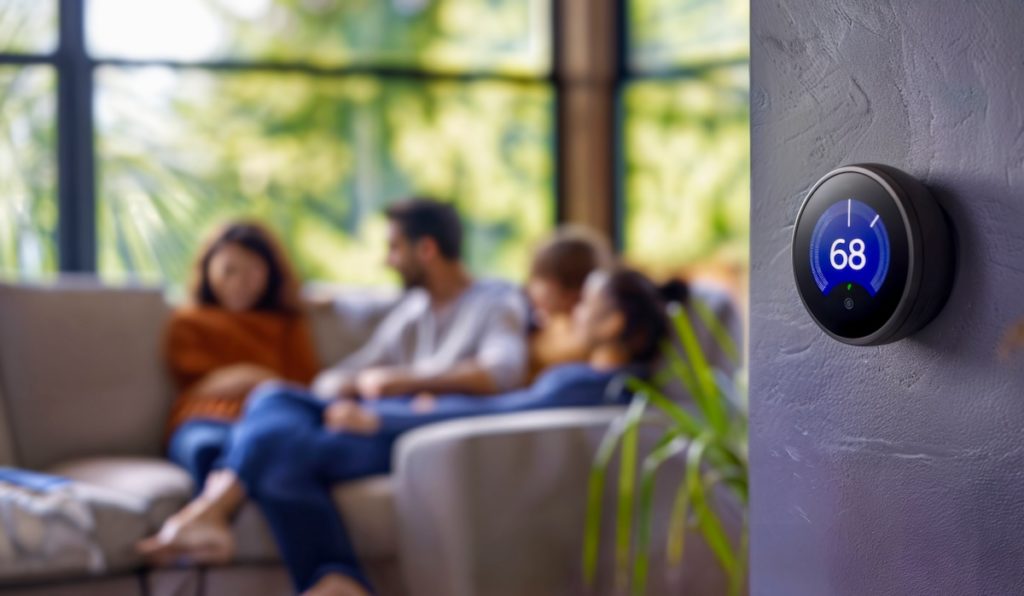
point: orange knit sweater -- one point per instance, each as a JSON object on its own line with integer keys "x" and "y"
{"x": 200, "y": 340}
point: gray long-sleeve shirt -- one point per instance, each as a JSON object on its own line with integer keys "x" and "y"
{"x": 485, "y": 324}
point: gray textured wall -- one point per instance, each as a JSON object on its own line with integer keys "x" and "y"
{"x": 895, "y": 469}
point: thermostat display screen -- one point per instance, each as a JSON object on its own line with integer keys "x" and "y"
{"x": 851, "y": 255}
{"x": 850, "y": 246}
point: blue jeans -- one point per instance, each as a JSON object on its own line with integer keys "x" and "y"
{"x": 197, "y": 445}
{"x": 288, "y": 463}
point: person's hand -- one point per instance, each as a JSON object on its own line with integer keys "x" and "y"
{"x": 332, "y": 384}
{"x": 375, "y": 383}
{"x": 349, "y": 416}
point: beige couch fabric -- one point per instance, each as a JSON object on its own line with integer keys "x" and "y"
{"x": 368, "y": 509}
{"x": 82, "y": 372}
{"x": 499, "y": 503}
{"x": 123, "y": 585}
{"x": 159, "y": 486}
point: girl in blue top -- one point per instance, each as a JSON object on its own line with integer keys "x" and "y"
{"x": 289, "y": 447}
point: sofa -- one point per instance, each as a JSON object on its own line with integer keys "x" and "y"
{"x": 475, "y": 507}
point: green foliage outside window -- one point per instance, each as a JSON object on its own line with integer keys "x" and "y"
{"x": 686, "y": 136}
{"x": 28, "y": 26}
{"x": 318, "y": 158}
{"x": 687, "y": 170}
{"x": 28, "y": 190}
{"x": 508, "y": 36}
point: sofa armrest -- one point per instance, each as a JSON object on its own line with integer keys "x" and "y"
{"x": 495, "y": 506}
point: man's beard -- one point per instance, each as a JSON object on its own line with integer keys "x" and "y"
{"x": 413, "y": 279}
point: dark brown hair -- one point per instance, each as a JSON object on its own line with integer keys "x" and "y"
{"x": 282, "y": 291}
{"x": 643, "y": 307}
{"x": 421, "y": 217}
{"x": 570, "y": 256}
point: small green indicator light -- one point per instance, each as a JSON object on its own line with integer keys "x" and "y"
{"x": 849, "y": 287}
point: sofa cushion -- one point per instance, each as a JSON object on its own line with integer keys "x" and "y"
{"x": 81, "y": 372}
{"x": 367, "y": 506}
{"x": 7, "y": 455}
{"x": 119, "y": 585}
{"x": 161, "y": 487}
{"x": 344, "y": 318}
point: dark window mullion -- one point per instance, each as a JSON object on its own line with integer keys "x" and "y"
{"x": 75, "y": 149}
{"x": 25, "y": 59}
{"x": 618, "y": 157}
{"x": 558, "y": 85}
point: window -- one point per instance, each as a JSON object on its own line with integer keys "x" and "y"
{"x": 685, "y": 138}
{"x": 308, "y": 115}
{"x": 28, "y": 150}
{"x": 127, "y": 128}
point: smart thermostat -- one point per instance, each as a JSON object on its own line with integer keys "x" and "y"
{"x": 873, "y": 254}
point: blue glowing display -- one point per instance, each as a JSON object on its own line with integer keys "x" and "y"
{"x": 850, "y": 245}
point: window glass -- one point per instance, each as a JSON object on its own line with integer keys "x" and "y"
{"x": 687, "y": 171}
{"x": 317, "y": 157}
{"x": 28, "y": 190}
{"x": 28, "y": 26}
{"x": 443, "y": 35}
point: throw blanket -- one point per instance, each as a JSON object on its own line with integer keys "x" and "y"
{"x": 43, "y": 518}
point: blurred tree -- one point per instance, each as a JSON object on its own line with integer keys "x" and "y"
{"x": 28, "y": 193}
{"x": 319, "y": 155}
{"x": 686, "y": 135}
{"x": 687, "y": 172}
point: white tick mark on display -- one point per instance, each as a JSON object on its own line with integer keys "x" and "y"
{"x": 874, "y": 221}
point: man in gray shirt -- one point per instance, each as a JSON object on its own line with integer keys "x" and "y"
{"x": 449, "y": 333}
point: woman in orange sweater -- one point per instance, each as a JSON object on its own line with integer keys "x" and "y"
{"x": 244, "y": 326}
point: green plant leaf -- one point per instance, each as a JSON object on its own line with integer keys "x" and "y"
{"x": 677, "y": 525}
{"x": 707, "y": 521}
{"x": 682, "y": 370}
{"x": 595, "y": 492}
{"x": 708, "y": 395}
{"x": 627, "y": 489}
{"x": 595, "y": 484}
{"x": 684, "y": 421}
{"x": 718, "y": 331}
{"x": 669, "y": 446}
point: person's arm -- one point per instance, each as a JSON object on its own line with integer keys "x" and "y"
{"x": 500, "y": 362}
{"x": 384, "y": 349}
{"x": 504, "y": 353}
{"x": 565, "y": 386}
{"x": 464, "y": 377}
{"x": 394, "y": 417}
{"x": 196, "y": 366}
{"x": 231, "y": 380}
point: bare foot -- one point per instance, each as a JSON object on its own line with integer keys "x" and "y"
{"x": 196, "y": 534}
{"x": 335, "y": 584}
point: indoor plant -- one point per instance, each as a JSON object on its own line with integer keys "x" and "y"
{"x": 711, "y": 436}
